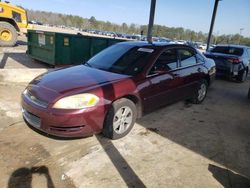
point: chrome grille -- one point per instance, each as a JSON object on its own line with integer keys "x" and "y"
{"x": 31, "y": 119}
{"x": 35, "y": 100}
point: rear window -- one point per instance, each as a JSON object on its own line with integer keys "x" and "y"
{"x": 228, "y": 50}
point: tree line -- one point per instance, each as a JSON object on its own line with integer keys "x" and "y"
{"x": 177, "y": 33}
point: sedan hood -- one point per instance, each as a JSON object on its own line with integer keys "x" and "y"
{"x": 75, "y": 78}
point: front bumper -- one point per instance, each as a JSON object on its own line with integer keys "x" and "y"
{"x": 64, "y": 123}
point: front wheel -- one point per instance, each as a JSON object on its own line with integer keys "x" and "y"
{"x": 201, "y": 92}
{"x": 120, "y": 119}
{"x": 8, "y": 34}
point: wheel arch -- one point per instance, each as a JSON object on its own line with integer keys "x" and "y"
{"x": 10, "y": 21}
{"x": 137, "y": 103}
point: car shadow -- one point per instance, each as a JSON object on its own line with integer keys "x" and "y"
{"x": 119, "y": 162}
{"x": 227, "y": 178}
{"x": 121, "y": 165}
{"x": 228, "y": 79}
{"x": 22, "y": 177}
{"x": 225, "y": 141}
{"x": 22, "y": 59}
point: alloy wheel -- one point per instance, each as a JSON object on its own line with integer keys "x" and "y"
{"x": 5, "y": 35}
{"x": 202, "y": 91}
{"x": 122, "y": 119}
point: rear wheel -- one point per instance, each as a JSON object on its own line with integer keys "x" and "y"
{"x": 120, "y": 119}
{"x": 8, "y": 34}
{"x": 201, "y": 92}
{"x": 242, "y": 76}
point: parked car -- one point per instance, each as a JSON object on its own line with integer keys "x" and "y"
{"x": 202, "y": 46}
{"x": 212, "y": 46}
{"x": 164, "y": 39}
{"x": 114, "y": 87}
{"x": 231, "y": 60}
{"x": 180, "y": 42}
{"x": 121, "y": 35}
{"x": 192, "y": 44}
{"x": 35, "y": 22}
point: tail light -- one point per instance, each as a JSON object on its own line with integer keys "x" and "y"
{"x": 212, "y": 71}
{"x": 234, "y": 60}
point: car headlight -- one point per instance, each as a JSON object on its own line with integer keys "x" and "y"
{"x": 79, "y": 101}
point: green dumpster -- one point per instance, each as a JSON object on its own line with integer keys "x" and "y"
{"x": 65, "y": 49}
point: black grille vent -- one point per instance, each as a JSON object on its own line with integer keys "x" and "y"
{"x": 31, "y": 118}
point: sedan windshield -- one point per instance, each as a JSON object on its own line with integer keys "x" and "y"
{"x": 121, "y": 58}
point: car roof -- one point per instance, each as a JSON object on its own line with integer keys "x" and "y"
{"x": 233, "y": 45}
{"x": 154, "y": 44}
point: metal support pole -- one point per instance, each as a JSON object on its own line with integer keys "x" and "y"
{"x": 241, "y": 29}
{"x": 151, "y": 21}
{"x": 212, "y": 23}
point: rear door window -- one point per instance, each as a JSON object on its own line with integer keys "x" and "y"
{"x": 167, "y": 61}
{"x": 187, "y": 57}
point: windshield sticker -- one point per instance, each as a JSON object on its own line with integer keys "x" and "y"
{"x": 148, "y": 50}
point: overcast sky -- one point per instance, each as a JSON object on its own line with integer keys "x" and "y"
{"x": 190, "y": 14}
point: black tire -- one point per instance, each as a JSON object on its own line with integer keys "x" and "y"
{"x": 7, "y": 27}
{"x": 242, "y": 76}
{"x": 109, "y": 128}
{"x": 198, "y": 98}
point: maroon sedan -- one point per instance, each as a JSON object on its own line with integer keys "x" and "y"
{"x": 115, "y": 87}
